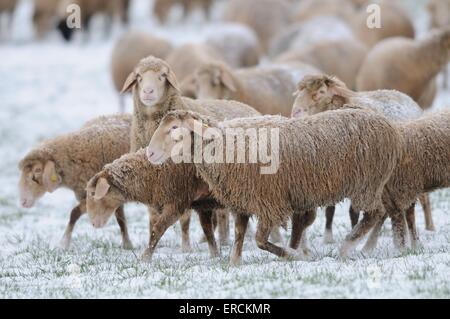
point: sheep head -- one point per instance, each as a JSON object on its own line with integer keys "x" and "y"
{"x": 214, "y": 81}
{"x": 102, "y": 199}
{"x": 38, "y": 176}
{"x": 174, "y": 135}
{"x": 151, "y": 79}
{"x": 319, "y": 93}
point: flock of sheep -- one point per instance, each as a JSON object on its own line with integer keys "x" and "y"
{"x": 349, "y": 106}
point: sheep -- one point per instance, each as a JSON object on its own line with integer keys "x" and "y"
{"x": 268, "y": 89}
{"x": 365, "y": 153}
{"x": 329, "y": 56}
{"x": 45, "y": 13}
{"x": 129, "y": 50}
{"x": 155, "y": 93}
{"x": 440, "y": 18}
{"x": 425, "y": 167}
{"x": 185, "y": 59}
{"x": 407, "y": 66}
{"x": 395, "y": 22}
{"x": 309, "y": 33}
{"x": 7, "y": 7}
{"x": 169, "y": 190}
{"x": 89, "y": 8}
{"x": 70, "y": 160}
{"x": 238, "y": 43}
{"x": 317, "y": 94}
{"x": 265, "y": 17}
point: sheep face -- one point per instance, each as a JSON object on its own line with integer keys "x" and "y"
{"x": 320, "y": 93}
{"x": 150, "y": 80}
{"x": 440, "y": 13}
{"x": 36, "y": 179}
{"x": 102, "y": 200}
{"x": 152, "y": 86}
{"x": 169, "y": 133}
{"x": 311, "y": 102}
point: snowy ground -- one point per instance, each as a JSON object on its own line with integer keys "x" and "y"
{"x": 49, "y": 88}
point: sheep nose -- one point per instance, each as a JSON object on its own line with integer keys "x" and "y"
{"x": 150, "y": 153}
{"x": 148, "y": 91}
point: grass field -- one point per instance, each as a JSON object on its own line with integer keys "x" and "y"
{"x": 49, "y": 88}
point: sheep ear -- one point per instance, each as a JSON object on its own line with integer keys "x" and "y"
{"x": 101, "y": 189}
{"x": 172, "y": 79}
{"x": 50, "y": 178}
{"x": 129, "y": 83}
{"x": 228, "y": 81}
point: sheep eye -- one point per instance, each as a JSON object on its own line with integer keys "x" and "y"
{"x": 174, "y": 127}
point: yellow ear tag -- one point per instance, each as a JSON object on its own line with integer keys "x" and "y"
{"x": 205, "y": 125}
{"x": 54, "y": 178}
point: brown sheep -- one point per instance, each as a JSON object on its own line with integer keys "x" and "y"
{"x": 425, "y": 168}
{"x": 407, "y": 66}
{"x": 169, "y": 191}
{"x": 70, "y": 160}
{"x": 395, "y": 22}
{"x": 265, "y": 17}
{"x": 129, "y": 50}
{"x": 324, "y": 93}
{"x": 369, "y": 151}
{"x": 328, "y": 57}
{"x": 162, "y": 8}
{"x": 266, "y": 88}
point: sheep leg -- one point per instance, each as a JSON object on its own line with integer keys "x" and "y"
{"x": 159, "y": 226}
{"x": 185, "y": 222}
{"x": 262, "y": 241}
{"x": 445, "y": 73}
{"x": 223, "y": 222}
{"x": 357, "y": 233}
{"x": 411, "y": 222}
{"x": 328, "y": 235}
{"x": 300, "y": 222}
{"x": 354, "y": 216}
{"x": 426, "y": 205}
{"x": 122, "y": 221}
{"x": 275, "y": 235}
{"x": 75, "y": 215}
{"x": 214, "y": 225}
{"x": 207, "y": 226}
{"x": 374, "y": 235}
{"x": 398, "y": 227}
{"x": 241, "y": 223}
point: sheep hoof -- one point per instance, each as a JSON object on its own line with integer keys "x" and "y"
{"x": 430, "y": 228}
{"x": 416, "y": 245}
{"x": 127, "y": 245}
{"x": 328, "y": 237}
{"x": 203, "y": 240}
{"x": 64, "y": 243}
{"x": 186, "y": 248}
{"x": 146, "y": 256}
{"x": 294, "y": 255}
{"x": 347, "y": 248}
{"x": 235, "y": 261}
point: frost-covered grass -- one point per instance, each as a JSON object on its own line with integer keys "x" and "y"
{"x": 49, "y": 88}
